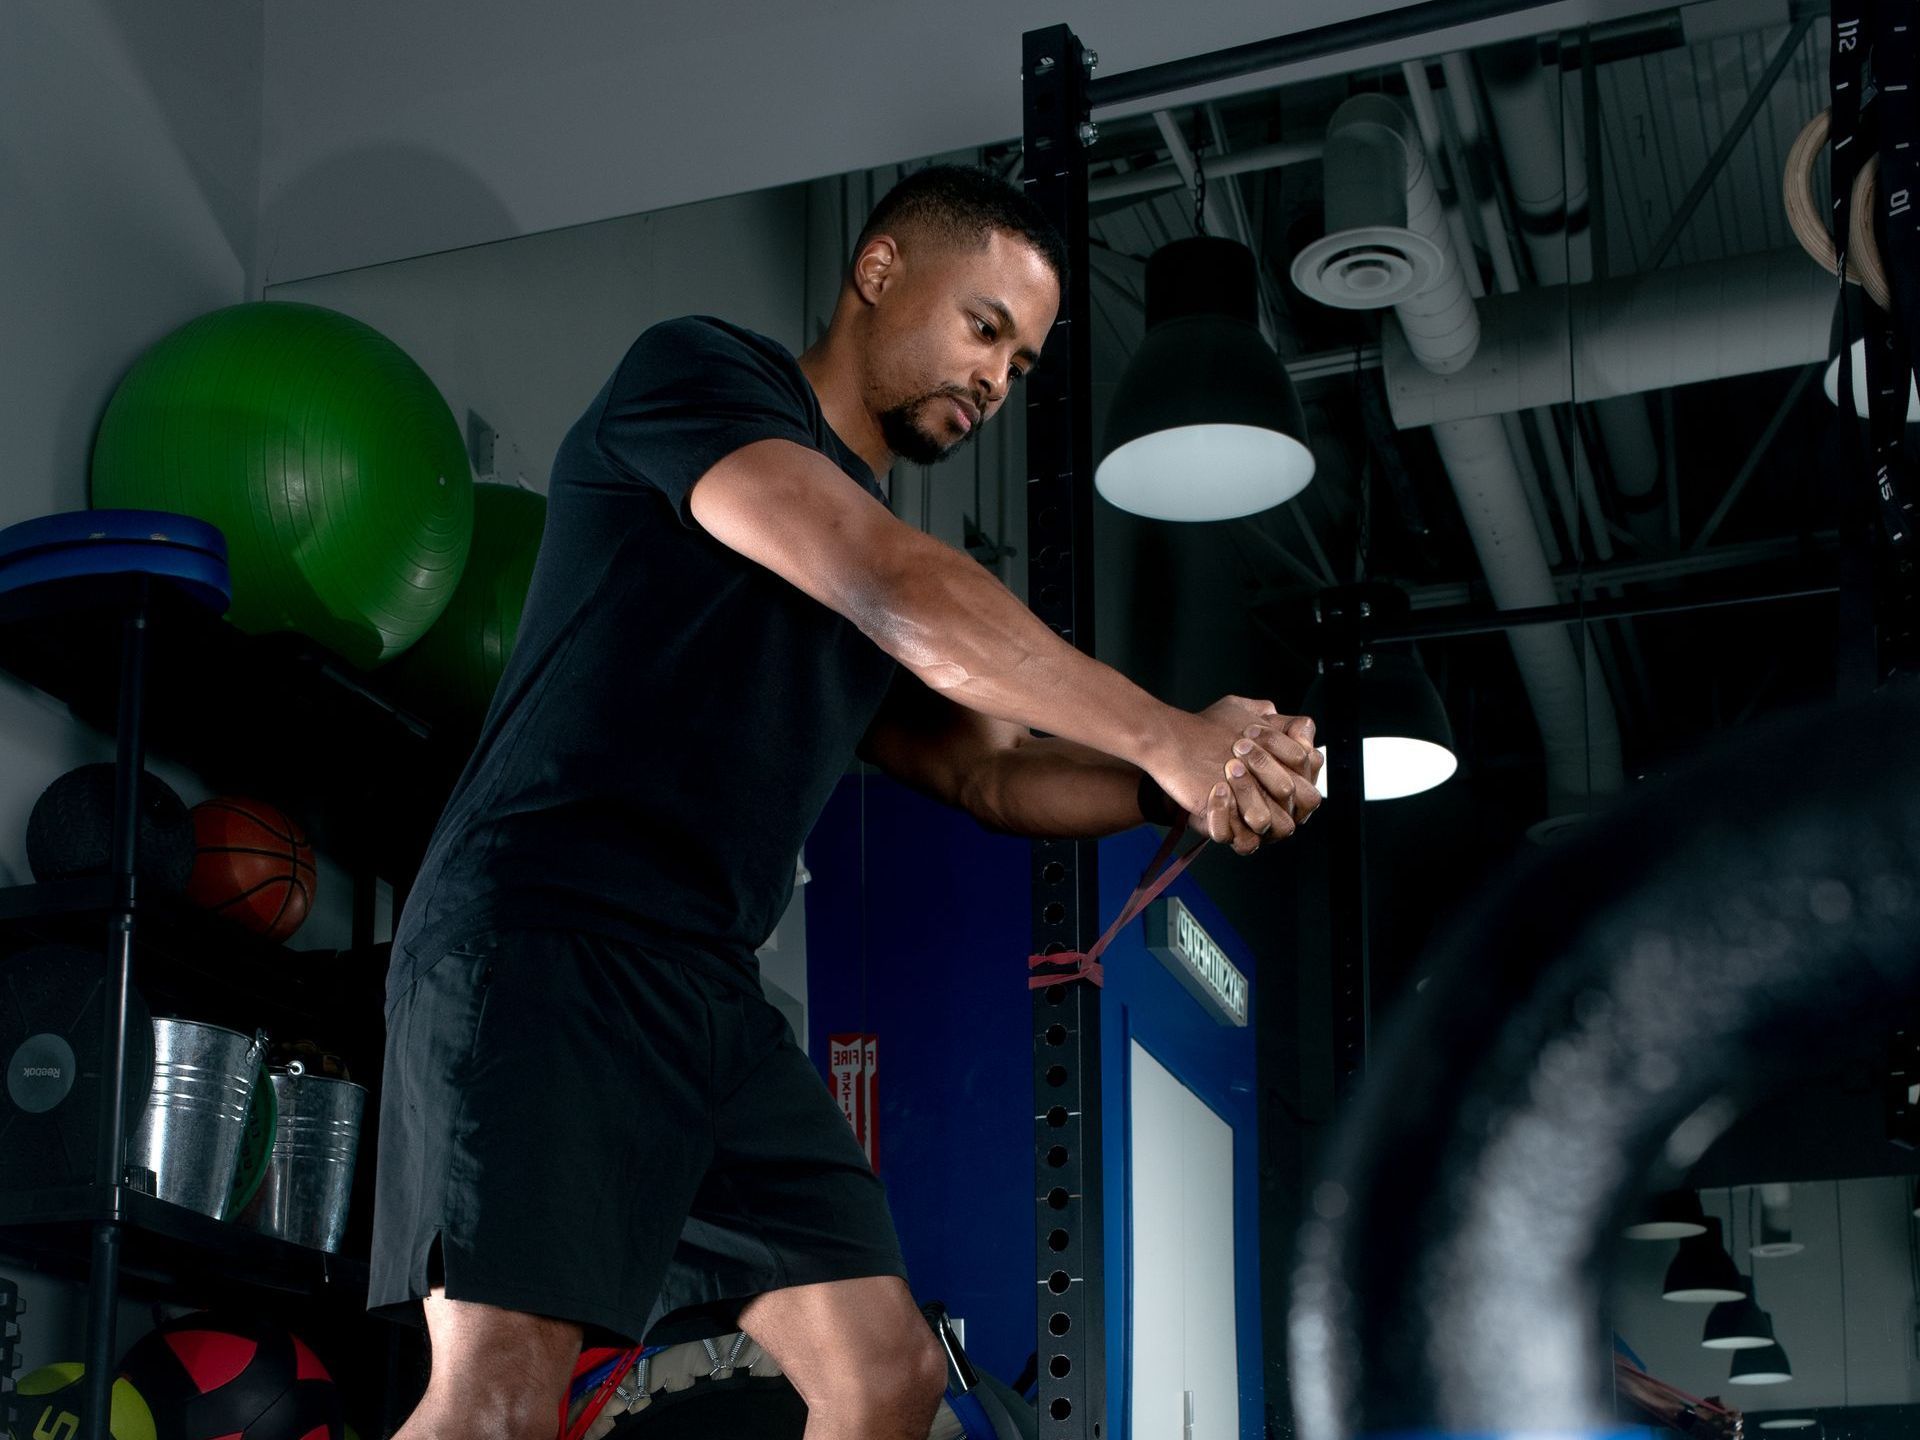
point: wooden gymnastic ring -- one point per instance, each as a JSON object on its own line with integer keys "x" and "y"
{"x": 1808, "y": 220}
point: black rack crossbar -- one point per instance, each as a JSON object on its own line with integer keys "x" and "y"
{"x": 1322, "y": 40}
{"x": 1441, "y": 624}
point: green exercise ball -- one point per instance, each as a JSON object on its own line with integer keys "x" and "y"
{"x": 48, "y": 1401}
{"x": 322, "y": 451}
{"x": 453, "y": 671}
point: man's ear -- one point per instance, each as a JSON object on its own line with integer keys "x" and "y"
{"x": 876, "y": 267}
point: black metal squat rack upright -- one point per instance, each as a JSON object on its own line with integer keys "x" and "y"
{"x": 1059, "y": 96}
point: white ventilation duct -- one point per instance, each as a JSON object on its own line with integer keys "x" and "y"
{"x": 1388, "y": 244}
{"x": 1624, "y": 337}
{"x": 1386, "y": 241}
{"x": 1545, "y": 157}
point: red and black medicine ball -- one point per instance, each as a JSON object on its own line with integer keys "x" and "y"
{"x": 216, "y": 1376}
{"x": 251, "y": 865}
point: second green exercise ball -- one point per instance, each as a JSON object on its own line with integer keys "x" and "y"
{"x": 324, "y": 453}
{"x": 452, "y": 673}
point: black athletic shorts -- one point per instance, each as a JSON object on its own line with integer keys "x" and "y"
{"x": 571, "y": 1127}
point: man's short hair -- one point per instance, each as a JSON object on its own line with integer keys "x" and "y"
{"x": 964, "y": 206}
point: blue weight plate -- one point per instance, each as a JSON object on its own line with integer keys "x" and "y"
{"x": 204, "y": 577}
{"x": 83, "y": 528}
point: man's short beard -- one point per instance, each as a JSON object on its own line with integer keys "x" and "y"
{"x": 907, "y": 440}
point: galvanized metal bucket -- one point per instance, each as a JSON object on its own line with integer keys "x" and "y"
{"x": 309, "y": 1178}
{"x": 188, "y": 1140}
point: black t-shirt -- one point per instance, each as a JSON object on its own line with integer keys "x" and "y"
{"x": 674, "y": 716}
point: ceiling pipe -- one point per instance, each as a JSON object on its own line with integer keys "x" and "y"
{"x": 1526, "y": 127}
{"x": 1544, "y": 153}
{"x": 1476, "y": 181}
{"x": 1571, "y": 702}
{"x": 1427, "y": 115}
{"x": 1388, "y": 243}
{"x": 1633, "y": 460}
{"x": 1545, "y": 161}
{"x": 1462, "y": 149}
{"x": 1624, "y": 336}
{"x": 1155, "y": 178}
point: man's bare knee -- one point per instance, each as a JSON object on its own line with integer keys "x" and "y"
{"x": 494, "y": 1372}
{"x": 852, "y": 1348}
{"x": 903, "y": 1380}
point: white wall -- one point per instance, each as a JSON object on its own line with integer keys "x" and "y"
{"x": 130, "y": 173}
{"x": 396, "y": 130}
{"x": 525, "y": 332}
{"x": 129, "y": 169}
{"x": 129, "y": 177}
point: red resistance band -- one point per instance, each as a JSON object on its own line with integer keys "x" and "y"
{"x": 1066, "y": 965}
{"x": 623, "y": 1360}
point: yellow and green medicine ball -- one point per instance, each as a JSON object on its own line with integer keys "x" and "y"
{"x": 321, "y": 450}
{"x": 49, "y": 1405}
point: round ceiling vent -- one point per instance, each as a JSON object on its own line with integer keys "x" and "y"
{"x": 1368, "y": 269}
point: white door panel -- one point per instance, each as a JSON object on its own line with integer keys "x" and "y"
{"x": 1183, "y": 1333}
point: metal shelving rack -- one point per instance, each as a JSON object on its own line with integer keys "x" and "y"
{"x": 52, "y": 636}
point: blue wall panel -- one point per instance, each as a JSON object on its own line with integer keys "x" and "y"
{"x": 1143, "y": 1001}
{"x": 926, "y": 947}
{"x": 918, "y": 930}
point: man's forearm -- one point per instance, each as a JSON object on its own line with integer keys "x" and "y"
{"x": 1058, "y": 790}
{"x": 969, "y": 638}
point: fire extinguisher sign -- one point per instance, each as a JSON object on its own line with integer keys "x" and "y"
{"x": 853, "y": 1070}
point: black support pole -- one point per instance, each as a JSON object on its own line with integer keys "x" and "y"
{"x": 103, "y": 1276}
{"x": 1069, "y": 1234}
{"x": 1341, "y": 615}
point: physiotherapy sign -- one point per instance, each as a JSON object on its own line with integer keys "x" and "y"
{"x": 1197, "y": 962}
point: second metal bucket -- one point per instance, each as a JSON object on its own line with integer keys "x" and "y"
{"x": 189, "y": 1137}
{"x": 309, "y": 1178}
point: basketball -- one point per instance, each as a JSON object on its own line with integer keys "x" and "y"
{"x": 235, "y": 1377}
{"x": 49, "y": 1404}
{"x": 251, "y": 865}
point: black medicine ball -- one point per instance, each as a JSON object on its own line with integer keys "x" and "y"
{"x": 223, "y": 1376}
{"x": 70, "y": 832}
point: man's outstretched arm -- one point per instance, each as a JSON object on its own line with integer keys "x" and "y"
{"x": 1017, "y": 784}
{"x": 958, "y": 629}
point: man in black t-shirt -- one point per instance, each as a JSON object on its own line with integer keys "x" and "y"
{"x": 592, "y": 1122}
